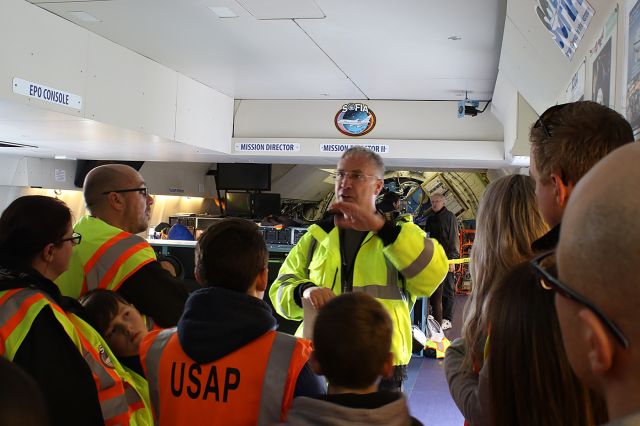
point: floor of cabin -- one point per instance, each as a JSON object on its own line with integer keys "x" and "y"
{"x": 427, "y": 389}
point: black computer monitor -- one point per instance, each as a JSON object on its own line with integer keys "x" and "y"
{"x": 243, "y": 177}
{"x": 238, "y": 204}
{"x": 265, "y": 205}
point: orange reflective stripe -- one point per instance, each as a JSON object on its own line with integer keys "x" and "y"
{"x": 8, "y": 294}
{"x": 16, "y": 316}
{"x": 111, "y": 272}
{"x": 103, "y": 248}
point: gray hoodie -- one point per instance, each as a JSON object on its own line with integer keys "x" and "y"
{"x": 319, "y": 412}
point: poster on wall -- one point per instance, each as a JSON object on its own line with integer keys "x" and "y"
{"x": 575, "y": 91}
{"x": 633, "y": 68}
{"x": 603, "y": 66}
{"x": 566, "y": 20}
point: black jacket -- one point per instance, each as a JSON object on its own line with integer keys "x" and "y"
{"x": 156, "y": 293}
{"x": 51, "y": 358}
{"x": 443, "y": 226}
{"x": 548, "y": 241}
{"x": 217, "y": 321}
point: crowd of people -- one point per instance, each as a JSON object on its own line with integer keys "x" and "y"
{"x": 94, "y": 331}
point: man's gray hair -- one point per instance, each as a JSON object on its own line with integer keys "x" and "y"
{"x": 371, "y": 156}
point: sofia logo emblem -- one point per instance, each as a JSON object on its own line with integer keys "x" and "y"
{"x": 355, "y": 119}
{"x": 104, "y": 357}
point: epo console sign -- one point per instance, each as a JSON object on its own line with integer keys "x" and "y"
{"x": 355, "y": 119}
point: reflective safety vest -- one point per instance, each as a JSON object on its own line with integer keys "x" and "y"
{"x": 394, "y": 275}
{"x": 436, "y": 349}
{"x": 106, "y": 257}
{"x": 253, "y": 385}
{"x": 123, "y": 394}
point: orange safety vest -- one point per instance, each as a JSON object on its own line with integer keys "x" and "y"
{"x": 105, "y": 259}
{"x": 253, "y": 385}
{"x": 19, "y": 309}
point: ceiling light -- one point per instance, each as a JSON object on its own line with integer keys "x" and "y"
{"x": 454, "y": 38}
{"x": 223, "y": 12}
{"x": 84, "y": 16}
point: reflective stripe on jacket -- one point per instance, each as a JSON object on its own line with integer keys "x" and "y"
{"x": 253, "y": 385}
{"x": 106, "y": 257}
{"x": 395, "y": 275}
{"x": 123, "y": 394}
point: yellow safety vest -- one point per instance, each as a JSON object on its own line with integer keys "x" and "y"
{"x": 395, "y": 275}
{"x": 106, "y": 257}
{"x": 123, "y": 394}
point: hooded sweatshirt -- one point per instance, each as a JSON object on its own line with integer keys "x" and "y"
{"x": 379, "y": 408}
{"x": 217, "y": 321}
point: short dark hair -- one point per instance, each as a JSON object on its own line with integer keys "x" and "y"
{"x": 374, "y": 158}
{"x": 230, "y": 254}
{"x": 21, "y": 400}
{"x": 570, "y": 139}
{"x": 27, "y": 225}
{"x": 100, "y": 307}
{"x": 352, "y": 340}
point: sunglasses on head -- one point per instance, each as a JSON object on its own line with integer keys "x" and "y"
{"x": 546, "y": 116}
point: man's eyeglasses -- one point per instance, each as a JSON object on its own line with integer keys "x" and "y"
{"x": 549, "y": 282}
{"x": 354, "y": 176}
{"x": 75, "y": 239}
{"x": 143, "y": 191}
{"x": 545, "y": 116}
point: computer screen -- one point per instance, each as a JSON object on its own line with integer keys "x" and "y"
{"x": 238, "y": 204}
{"x": 243, "y": 176}
{"x": 265, "y": 205}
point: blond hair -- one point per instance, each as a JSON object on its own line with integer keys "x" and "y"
{"x": 508, "y": 222}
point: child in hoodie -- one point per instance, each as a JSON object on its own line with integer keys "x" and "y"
{"x": 352, "y": 349}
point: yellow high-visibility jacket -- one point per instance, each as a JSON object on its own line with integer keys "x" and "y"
{"x": 394, "y": 274}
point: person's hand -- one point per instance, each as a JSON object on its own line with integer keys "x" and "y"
{"x": 353, "y": 216}
{"x": 318, "y": 296}
{"x": 168, "y": 266}
{"x": 452, "y": 268}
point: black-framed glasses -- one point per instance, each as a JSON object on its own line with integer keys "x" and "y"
{"x": 546, "y": 115}
{"x": 549, "y": 282}
{"x": 75, "y": 239}
{"x": 144, "y": 191}
{"x": 354, "y": 176}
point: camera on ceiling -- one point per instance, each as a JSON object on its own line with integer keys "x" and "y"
{"x": 468, "y": 107}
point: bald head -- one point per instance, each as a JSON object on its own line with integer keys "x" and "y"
{"x": 598, "y": 250}
{"x": 106, "y": 178}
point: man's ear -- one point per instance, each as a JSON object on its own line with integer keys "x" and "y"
{"x": 314, "y": 364}
{"x": 379, "y": 186}
{"x": 600, "y": 345}
{"x": 115, "y": 201}
{"x": 262, "y": 280}
{"x": 199, "y": 279}
{"x": 562, "y": 190}
{"x": 387, "y": 369}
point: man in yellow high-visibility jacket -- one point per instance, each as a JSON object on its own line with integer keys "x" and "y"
{"x": 357, "y": 250}
{"x": 112, "y": 256}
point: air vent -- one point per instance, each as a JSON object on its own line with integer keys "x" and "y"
{"x": 4, "y": 144}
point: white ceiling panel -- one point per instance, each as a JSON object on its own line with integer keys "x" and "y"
{"x": 282, "y": 9}
{"x": 360, "y": 49}
{"x": 402, "y": 50}
{"x": 241, "y": 57}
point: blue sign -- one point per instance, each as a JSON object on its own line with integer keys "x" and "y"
{"x": 566, "y": 20}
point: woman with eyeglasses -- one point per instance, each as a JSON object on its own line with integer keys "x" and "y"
{"x": 81, "y": 380}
